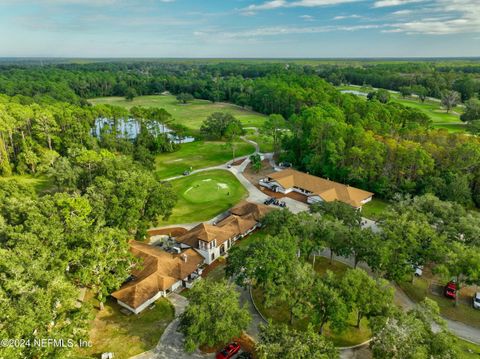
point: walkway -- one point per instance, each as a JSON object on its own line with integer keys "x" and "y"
{"x": 171, "y": 343}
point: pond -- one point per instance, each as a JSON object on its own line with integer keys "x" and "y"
{"x": 130, "y": 128}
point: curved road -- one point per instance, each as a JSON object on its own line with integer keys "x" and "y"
{"x": 461, "y": 330}
{"x": 171, "y": 342}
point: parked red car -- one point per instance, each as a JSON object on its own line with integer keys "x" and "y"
{"x": 450, "y": 290}
{"x": 229, "y": 351}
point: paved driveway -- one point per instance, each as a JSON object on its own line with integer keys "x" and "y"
{"x": 170, "y": 345}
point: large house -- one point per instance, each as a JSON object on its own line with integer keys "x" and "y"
{"x": 158, "y": 274}
{"x": 316, "y": 189}
{"x": 214, "y": 240}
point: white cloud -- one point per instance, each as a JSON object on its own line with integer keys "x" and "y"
{"x": 307, "y": 17}
{"x": 450, "y": 17}
{"x": 343, "y": 17}
{"x": 387, "y": 3}
{"x": 282, "y": 31}
{"x": 402, "y": 12}
{"x": 277, "y": 4}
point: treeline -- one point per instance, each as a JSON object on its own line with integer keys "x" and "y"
{"x": 414, "y": 232}
{"x": 52, "y": 245}
{"x": 33, "y": 136}
{"x": 75, "y": 234}
{"x": 425, "y": 78}
{"x": 386, "y": 149}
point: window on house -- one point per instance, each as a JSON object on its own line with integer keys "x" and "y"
{"x": 213, "y": 256}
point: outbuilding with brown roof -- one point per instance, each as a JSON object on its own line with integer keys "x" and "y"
{"x": 315, "y": 188}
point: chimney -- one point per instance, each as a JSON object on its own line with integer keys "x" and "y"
{"x": 184, "y": 257}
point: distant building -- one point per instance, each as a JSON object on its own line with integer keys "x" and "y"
{"x": 213, "y": 241}
{"x": 316, "y": 189}
{"x": 158, "y": 274}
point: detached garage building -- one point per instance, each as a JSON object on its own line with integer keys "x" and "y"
{"x": 158, "y": 274}
{"x": 316, "y": 189}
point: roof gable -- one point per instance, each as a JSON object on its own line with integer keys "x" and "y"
{"x": 326, "y": 189}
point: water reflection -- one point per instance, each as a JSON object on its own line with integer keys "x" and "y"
{"x": 130, "y": 128}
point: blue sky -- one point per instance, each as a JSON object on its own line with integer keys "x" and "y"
{"x": 239, "y": 28}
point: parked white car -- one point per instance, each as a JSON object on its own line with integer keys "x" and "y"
{"x": 476, "y": 300}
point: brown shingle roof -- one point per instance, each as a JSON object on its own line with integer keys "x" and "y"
{"x": 158, "y": 272}
{"x": 205, "y": 232}
{"x": 244, "y": 217}
{"x": 244, "y": 208}
{"x": 326, "y": 189}
{"x": 237, "y": 225}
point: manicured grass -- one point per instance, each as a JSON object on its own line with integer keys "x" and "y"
{"x": 258, "y": 235}
{"x": 126, "y": 336}
{"x": 468, "y": 350}
{"x": 451, "y": 127}
{"x": 374, "y": 208}
{"x": 196, "y": 155}
{"x": 264, "y": 142}
{"x": 191, "y": 114}
{"x": 204, "y": 195}
{"x": 463, "y": 312}
{"x": 431, "y": 108}
{"x": 39, "y": 184}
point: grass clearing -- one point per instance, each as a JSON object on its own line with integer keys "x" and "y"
{"x": 126, "y": 336}
{"x": 264, "y": 142}
{"x": 374, "y": 208}
{"x": 451, "y": 127}
{"x": 191, "y": 114}
{"x": 464, "y": 312}
{"x": 196, "y": 155}
{"x": 468, "y": 350}
{"x": 430, "y": 108}
{"x": 39, "y": 184}
{"x": 433, "y": 109}
{"x": 204, "y": 195}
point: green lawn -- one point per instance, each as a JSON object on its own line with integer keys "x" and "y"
{"x": 39, "y": 184}
{"x": 126, "y": 336}
{"x": 451, "y": 127}
{"x": 192, "y": 114}
{"x": 196, "y": 155}
{"x": 463, "y": 312}
{"x": 255, "y": 236}
{"x": 204, "y": 195}
{"x": 468, "y": 350}
{"x": 433, "y": 109}
{"x": 374, "y": 208}
{"x": 265, "y": 142}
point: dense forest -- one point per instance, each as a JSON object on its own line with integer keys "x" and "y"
{"x": 422, "y": 78}
{"x": 105, "y": 193}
